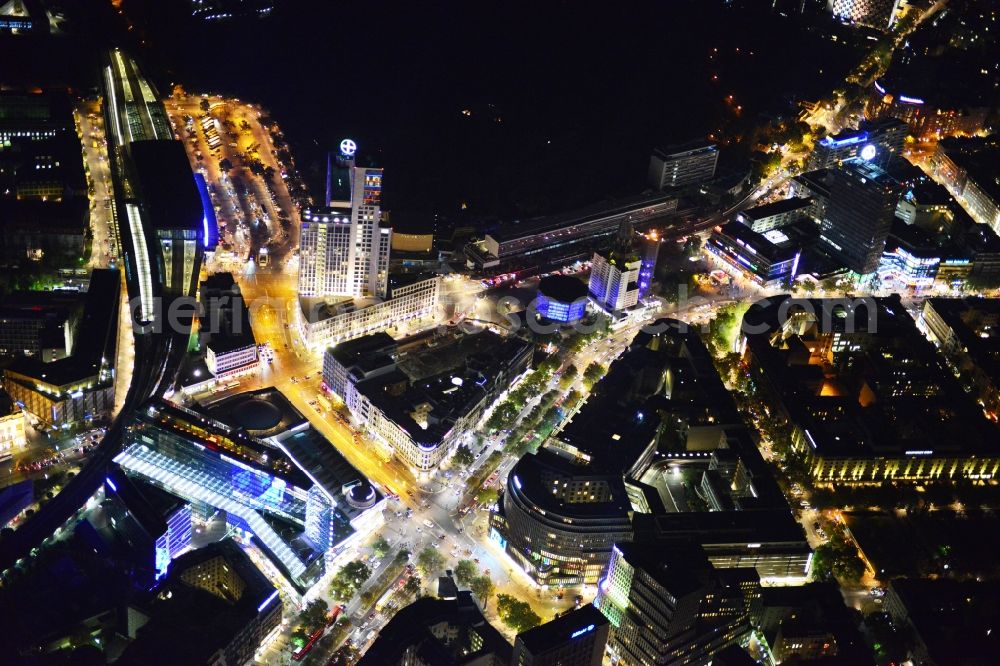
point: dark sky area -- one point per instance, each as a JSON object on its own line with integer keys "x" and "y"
{"x": 566, "y": 100}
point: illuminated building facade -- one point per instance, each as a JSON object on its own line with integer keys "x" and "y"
{"x": 874, "y": 141}
{"x": 155, "y": 525}
{"x": 775, "y": 215}
{"x": 343, "y": 249}
{"x": 79, "y": 388}
{"x": 225, "y": 331}
{"x": 158, "y": 204}
{"x": 859, "y": 216}
{"x": 563, "y": 237}
{"x": 602, "y": 477}
{"x": 12, "y": 422}
{"x": 767, "y": 258}
{"x": 214, "y": 607}
{"x": 926, "y": 117}
{"x": 878, "y": 14}
{"x": 684, "y": 164}
{"x": 323, "y": 323}
{"x": 893, "y": 412}
{"x": 614, "y": 280}
{"x": 275, "y": 478}
{"x": 667, "y": 605}
{"x": 561, "y": 298}
{"x": 966, "y": 331}
{"x": 422, "y": 419}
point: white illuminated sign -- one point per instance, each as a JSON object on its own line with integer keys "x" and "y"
{"x": 348, "y": 147}
{"x": 868, "y": 152}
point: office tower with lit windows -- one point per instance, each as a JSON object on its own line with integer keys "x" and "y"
{"x": 344, "y": 251}
{"x": 668, "y": 605}
{"x": 614, "y": 280}
{"x": 684, "y": 164}
{"x": 859, "y": 215}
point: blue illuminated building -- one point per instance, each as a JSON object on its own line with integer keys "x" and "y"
{"x": 561, "y": 298}
{"x": 155, "y": 525}
{"x": 262, "y": 492}
{"x": 255, "y": 458}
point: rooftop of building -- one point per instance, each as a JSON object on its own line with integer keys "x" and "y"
{"x": 69, "y": 216}
{"x": 226, "y": 319}
{"x": 883, "y": 391}
{"x": 679, "y": 566}
{"x": 401, "y": 280}
{"x": 816, "y": 181}
{"x": 166, "y": 186}
{"x": 260, "y": 413}
{"x": 520, "y": 229}
{"x": 563, "y": 629}
{"x": 96, "y": 337}
{"x": 976, "y": 323}
{"x": 954, "y": 619}
{"x": 321, "y": 460}
{"x": 679, "y": 149}
{"x": 776, "y": 208}
{"x": 207, "y": 620}
{"x": 562, "y": 288}
{"x": 203, "y": 430}
{"x": 775, "y": 245}
{"x": 532, "y": 476}
{"x": 411, "y": 629}
{"x": 149, "y": 505}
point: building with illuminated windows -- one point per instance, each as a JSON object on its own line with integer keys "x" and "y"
{"x": 614, "y": 280}
{"x": 155, "y": 525}
{"x": 326, "y": 322}
{"x": 561, "y": 298}
{"x": 344, "y": 250}
{"x": 775, "y": 215}
{"x": 867, "y": 397}
{"x": 966, "y": 330}
{"x": 254, "y": 457}
{"x": 859, "y": 215}
{"x": 79, "y": 388}
{"x": 878, "y": 14}
{"x": 768, "y": 258}
{"x": 419, "y": 408}
{"x": 214, "y": 607}
{"x": 224, "y": 327}
{"x": 659, "y": 419}
{"x": 667, "y": 604}
{"x": 877, "y": 141}
{"x": 683, "y": 164}
{"x": 558, "y": 240}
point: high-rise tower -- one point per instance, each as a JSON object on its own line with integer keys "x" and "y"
{"x": 344, "y": 249}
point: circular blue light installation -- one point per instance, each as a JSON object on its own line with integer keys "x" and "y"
{"x": 348, "y": 147}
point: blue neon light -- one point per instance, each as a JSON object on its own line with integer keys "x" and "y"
{"x": 517, "y": 482}
{"x": 830, "y": 142}
{"x": 209, "y": 223}
{"x": 879, "y": 87}
{"x": 111, "y": 484}
{"x": 264, "y": 604}
{"x": 581, "y": 632}
{"x": 910, "y": 100}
